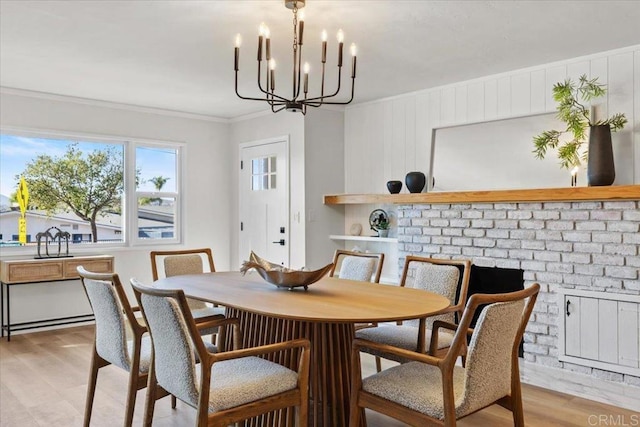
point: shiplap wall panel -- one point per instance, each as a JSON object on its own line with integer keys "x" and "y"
{"x": 620, "y": 100}
{"x": 589, "y": 321}
{"x": 491, "y": 99}
{"x": 475, "y": 102}
{"x": 462, "y": 93}
{"x": 448, "y": 106}
{"x": 423, "y": 131}
{"x": 376, "y": 150}
{"x": 410, "y": 137}
{"x": 387, "y": 131}
{"x": 554, "y": 75}
{"x": 504, "y": 97}
{"x": 520, "y": 94}
{"x": 608, "y": 331}
{"x": 537, "y": 87}
{"x": 600, "y": 69}
{"x": 576, "y": 69}
{"x": 399, "y": 135}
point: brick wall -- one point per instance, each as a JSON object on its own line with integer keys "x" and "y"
{"x": 586, "y": 245}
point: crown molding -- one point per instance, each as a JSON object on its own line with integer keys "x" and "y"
{"x": 109, "y": 104}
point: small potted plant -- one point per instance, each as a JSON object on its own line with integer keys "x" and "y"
{"x": 570, "y": 95}
{"x": 382, "y": 227}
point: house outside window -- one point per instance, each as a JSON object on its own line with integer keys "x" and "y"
{"x": 130, "y": 187}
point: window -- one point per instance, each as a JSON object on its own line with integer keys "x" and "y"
{"x": 106, "y": 191}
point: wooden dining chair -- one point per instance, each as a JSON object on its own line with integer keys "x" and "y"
{"x": 434, "y": 391}
{"x": 361, "y": 266}
{"x": 120, "y": 339}
{"x": 449, "y": 278}
{"x": 229, "y": 386}
{"x": 188, "y": 261}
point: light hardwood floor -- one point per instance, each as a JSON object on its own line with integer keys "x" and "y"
{"x": 43, "y": 378}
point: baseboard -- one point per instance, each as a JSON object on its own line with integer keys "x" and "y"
{"x": 581, "y": 385}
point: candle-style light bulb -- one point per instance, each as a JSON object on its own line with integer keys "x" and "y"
{"x": 353, "y": 60}
{"x": 236, "y": 52}
{"x": 267, "y": 34}
{"x": 261, "y": 31}
{"x": 340, "y": 36}
{"x": 306, "y": 69}
{"x": 324, "y": 46}
{"x": 272, "y": 68}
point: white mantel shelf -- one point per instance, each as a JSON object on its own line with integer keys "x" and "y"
{"x": 364, "y": 238}
{"x": 619, "y": 192}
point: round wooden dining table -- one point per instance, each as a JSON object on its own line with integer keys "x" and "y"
{"x": 325, "y": 314}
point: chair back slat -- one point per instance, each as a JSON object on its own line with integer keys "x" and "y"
{"x": 110, "y": 322}
{"x": 173, "y": 349}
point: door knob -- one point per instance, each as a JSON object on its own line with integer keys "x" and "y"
{"x": 279, "y": 242}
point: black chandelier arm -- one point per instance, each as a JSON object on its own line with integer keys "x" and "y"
{"x": 270, "y": 101}
{"x": 266, "y": 92}
{"x": 322, "y": 102}
{"x": 323, "y": 97}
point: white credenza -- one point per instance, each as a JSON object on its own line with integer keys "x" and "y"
{"x": 600, "y": 330}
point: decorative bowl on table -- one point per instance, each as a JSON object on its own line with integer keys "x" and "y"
{"x": 283, "y": 277}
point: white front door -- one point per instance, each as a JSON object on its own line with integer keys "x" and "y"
{"x": 264, "y": 200}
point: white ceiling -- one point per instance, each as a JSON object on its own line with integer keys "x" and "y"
{"x": 178, "y": 55}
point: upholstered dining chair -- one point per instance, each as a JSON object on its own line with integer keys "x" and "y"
{"x": 445, "y": 277}
{"x": 120, "y": 339}
{"x": 229, "y": 386}
{"x": 362, "y": 266}
{"x": 189, "y": 261}
{"x": 430, "y": 390}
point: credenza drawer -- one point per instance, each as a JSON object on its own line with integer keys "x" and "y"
{"x": 95, "y": 266}
{"x": 35, "y": 272}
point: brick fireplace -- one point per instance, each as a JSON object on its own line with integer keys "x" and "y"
{"x": 593, "y": 246}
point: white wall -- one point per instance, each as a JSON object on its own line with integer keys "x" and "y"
{"x": 324, "y": 174}
{"x": 258, "y": 128}
{"x": 207, "y": 194}
{"x": 388, "y": 138}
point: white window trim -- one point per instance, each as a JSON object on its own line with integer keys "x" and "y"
{"x": 129, "y": 230}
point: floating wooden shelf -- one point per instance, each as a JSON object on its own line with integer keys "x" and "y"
{"x": 567, "y": 194}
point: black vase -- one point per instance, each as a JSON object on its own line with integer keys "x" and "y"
{"x": 415, "y": 181}
{"x": 394, "y": 187}
{"x": 600, "y": 167}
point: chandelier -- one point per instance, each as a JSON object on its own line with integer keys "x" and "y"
{"x": 297, "y": 102}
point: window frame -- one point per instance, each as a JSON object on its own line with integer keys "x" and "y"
{"x": 130, "y": 195}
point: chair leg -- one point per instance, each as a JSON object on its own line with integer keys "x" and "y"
{"x": 173, "y": 402}
{"x": 150, "y": 403}
{"x": 96, "y": 363}
{"x": 378, "y": 364}
{"x": 131, "y": 396}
